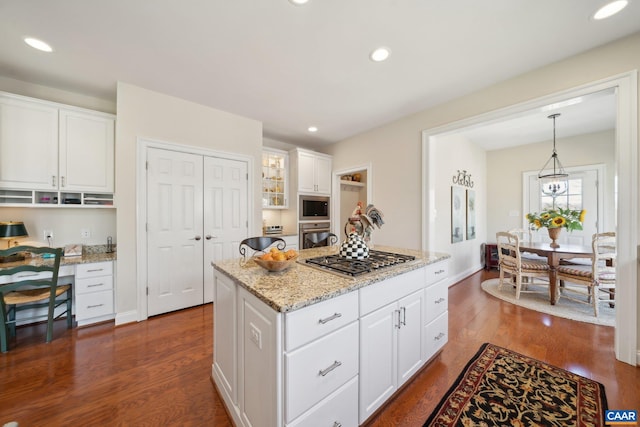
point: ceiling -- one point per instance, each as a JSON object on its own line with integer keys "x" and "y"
{"x": 291, "y": 67}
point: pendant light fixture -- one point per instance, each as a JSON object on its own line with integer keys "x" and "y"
{"x": 553, "y": 182}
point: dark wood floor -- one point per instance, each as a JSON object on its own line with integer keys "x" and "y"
{"x": 158, "y": 372}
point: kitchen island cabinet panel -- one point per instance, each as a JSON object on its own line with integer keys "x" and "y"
{"x": 314, "y": 348}
{"x": 335, "y": 410}
{"x": 260, "y": 362}
{"x": 225, "y": 351}
{"x": 303, "y": 326}
{"x": 316, "y": 370}
{"x": 436, "y": 335}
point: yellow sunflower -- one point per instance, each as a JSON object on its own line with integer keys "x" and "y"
{"x": 558, "y": 221}
{"x": 583, "y": 213}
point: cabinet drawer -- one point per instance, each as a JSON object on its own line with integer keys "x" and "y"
{"x": 436, "y": 301}
{"x": 436, "y": 335}
{"x": 305, "y": 325}
{"x": 316, "y": 370}
{"x": 437, "y": 271}
{"x": 94, "y": 304}
{"x": 94, "y": 284}
{"x": 339, "y": 409}
{"x": 380, "y": 294}
{"x": 94, "y": 269}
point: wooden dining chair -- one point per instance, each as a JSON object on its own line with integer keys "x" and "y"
{"x": 321, "y": 238}
{"x": 511, "y": 262}
{"x": 595, "y": 280}
{"x": 525, "y": 235}
{"x": 36, "y": 290}
{"x": 260, "y": 244}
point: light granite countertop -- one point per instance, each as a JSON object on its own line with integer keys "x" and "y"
{"x": 300, "y": 285}
{"x": 89, "y": 255}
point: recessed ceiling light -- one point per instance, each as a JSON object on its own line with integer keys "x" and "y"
{"x": 312, "y": 129}
{"x": 380, "y": 54}
{"x": 38, "y": 44}
{"x": 298, "y": 2}
{"x": 610, "y": 9}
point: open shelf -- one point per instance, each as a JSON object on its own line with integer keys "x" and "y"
{"x": 35, "y": 198}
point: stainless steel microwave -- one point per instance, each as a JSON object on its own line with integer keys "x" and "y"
{"x": 314, "y": 207}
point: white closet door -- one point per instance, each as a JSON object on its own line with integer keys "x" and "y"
{"x": 175, "y": 238}
{"x": 225, "y": 213}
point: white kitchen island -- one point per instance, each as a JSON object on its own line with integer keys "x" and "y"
{"x": 306, "y": 347}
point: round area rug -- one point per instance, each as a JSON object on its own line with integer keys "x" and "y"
{"x": 539, "y": 301}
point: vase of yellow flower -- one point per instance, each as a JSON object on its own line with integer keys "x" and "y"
{"x": 554, "y": 220}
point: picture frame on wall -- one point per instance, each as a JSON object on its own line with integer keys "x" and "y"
{"x": 458, "y": 204}
{"x": 471, "y": 214}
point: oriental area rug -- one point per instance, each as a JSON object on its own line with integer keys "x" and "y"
{"x": 499, "y": 387}
{"x": 538, "y": 300}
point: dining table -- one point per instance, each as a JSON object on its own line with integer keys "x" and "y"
{"x": 554, "y": 256}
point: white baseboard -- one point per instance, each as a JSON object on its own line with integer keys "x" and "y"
{"x": 126, "y": 317}
{"x": 466, "y": 273}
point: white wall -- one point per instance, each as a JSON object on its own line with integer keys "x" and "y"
{"x": 147, "y": 114}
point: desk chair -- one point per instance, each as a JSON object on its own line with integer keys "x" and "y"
{"x": 321, "y": 238}
{"x": 598, "y": 278}
{"x": 260, "y": 243}
{"x": 37, "y": 293}
{"x": 510, "y": 261}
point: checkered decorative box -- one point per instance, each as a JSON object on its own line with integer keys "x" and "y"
{"x": 354, "y": 248}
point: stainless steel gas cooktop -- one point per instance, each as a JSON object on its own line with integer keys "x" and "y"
{"x": 351, "y": 267}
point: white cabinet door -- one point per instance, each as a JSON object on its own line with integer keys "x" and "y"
{"x": 28, "y": 144}
{"x": 306, "y": 173}
{"x": 409, "y": 336}
{"x": 378, "y": 353}
{"x": 86, "y": 152}
{"x": 323, "y": 175}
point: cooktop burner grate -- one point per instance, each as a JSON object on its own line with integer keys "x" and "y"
{"x": 353, "y": 268}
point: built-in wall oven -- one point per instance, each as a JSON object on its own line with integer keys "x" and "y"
{"x": 311, "y": 227}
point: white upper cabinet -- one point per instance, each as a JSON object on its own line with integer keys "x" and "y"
{"x": 28, "y": 144}
{"x": 314, "y": 172}
{"x": 47, "y": 146}
{"x": 86, "y": 152}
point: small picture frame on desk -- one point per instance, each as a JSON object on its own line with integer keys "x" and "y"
{"x": 73, "y": 250}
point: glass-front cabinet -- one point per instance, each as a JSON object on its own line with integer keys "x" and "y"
{"x": 275, "y": 180}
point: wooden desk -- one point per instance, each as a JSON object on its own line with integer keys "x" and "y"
{"x": 554, "y": 255}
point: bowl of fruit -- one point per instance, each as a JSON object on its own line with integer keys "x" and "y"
{"x": 277, "y": 260}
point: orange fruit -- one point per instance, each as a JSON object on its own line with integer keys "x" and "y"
{"x": 267, "y": 257}
{"x": 279, "y": 256}
{"x": 291, "y": 253}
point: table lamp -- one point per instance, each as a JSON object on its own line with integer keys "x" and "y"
{"x": 12, "y": 230}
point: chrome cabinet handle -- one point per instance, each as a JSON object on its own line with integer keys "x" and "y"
{"x": 337, "y": 424}
{"x": 439, "y": 300}
{"x": 95, "y": 284}
{"x": 439, "y": 336}
{"x": 399, "y": 322}
{"x": 63, "y": 182}
{"x": 324, "y": 372}
{"x": 330, "y": 318}
{"x": 94, "y": 306}
{"x": 94, "y": 270}
{"x": 439, "y": 271}
{"x": 53, "y": 180}
{"x": 404, "y": 316}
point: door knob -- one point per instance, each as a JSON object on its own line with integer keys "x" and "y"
{"x": 209, "y": 237}
{"x": 196, "y": 238}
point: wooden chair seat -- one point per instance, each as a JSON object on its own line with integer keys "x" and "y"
{"x": 25, "y": 296}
